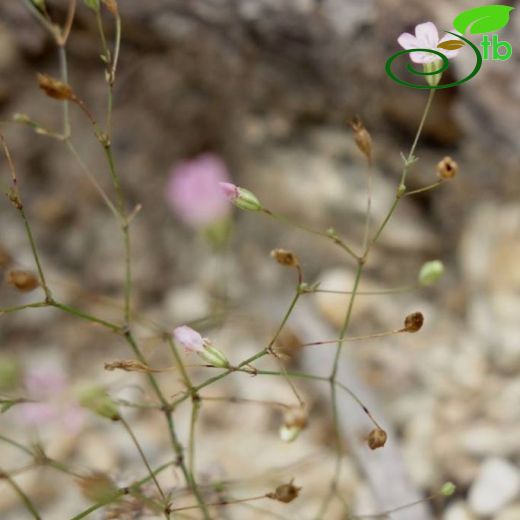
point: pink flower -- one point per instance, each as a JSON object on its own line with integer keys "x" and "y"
{"x": 50, "y": 400}
{"x": 193, "y": 191}
{"x": 190, "y": 339}
{"x": 426, "y": 37}
{"x": 229, "y": 190}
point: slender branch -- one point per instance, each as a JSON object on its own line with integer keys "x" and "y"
{"x": 23, "y": 497}
{"x": 143, "y": 456}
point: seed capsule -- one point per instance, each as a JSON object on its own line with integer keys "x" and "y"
{"x": 376, "y": 438}
{"x": 447, "y": 169}
{"x": 24, "y": 281}
{"x": 413, "y": 322}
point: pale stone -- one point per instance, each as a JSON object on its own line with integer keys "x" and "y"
{"x": 497, "y": 484}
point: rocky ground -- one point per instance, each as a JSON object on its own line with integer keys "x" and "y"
{"x": 270, "y": 87}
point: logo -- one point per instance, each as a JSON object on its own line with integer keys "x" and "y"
{"x": 434, "y": 54}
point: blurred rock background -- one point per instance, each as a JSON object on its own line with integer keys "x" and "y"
{"x": 270, "y": 86}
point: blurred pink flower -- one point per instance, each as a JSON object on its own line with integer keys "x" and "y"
{"x": 51, "y": 405}
{"x": 190, "y": 339}
{"x": 426, "y": 37}
{"x": 193, "y": 190}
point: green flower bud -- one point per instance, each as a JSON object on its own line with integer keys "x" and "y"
{"x": 448, "y": 488}
{"x": 96, "y": 399}
{"x": 240, "y": 197}
{"x": 213, "y": 356}
{"x": 431, "y": 272}
{"x": 433, "y": 79}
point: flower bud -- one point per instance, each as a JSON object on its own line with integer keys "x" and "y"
{"x": 431, "y": 272}
{"x": 190, "y": 339}
{"x": 447, "y": 169}
{"x": 413, "y": 322}
{"x": 55, "y": 88}
{"x": 22, "y": 118}
{"x": 24, "y": 281}
{"x": 448, "y": 488}
{"x": 285, "y": 493}
{"x": 98, "y": 487}
{"x": 92, "y": 4}
{"x": 376, "y": 438}
{"x": 96, "y": 399}
{"x": 433, "y": 79}
{"x": 213, "y": 356}
{"x": 285, "y": 257}
{"x": 240, "y": 197}
{"x": 362, "y": 138}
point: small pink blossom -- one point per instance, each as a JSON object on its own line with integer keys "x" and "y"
{"x": 229, "y": 190}
{"x": 50, "y": 402}
{"x": 193, "y": 191}
{"x": 426, "y": 37}
{"x": 190, "y": 339}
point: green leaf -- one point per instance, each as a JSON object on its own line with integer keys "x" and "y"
{"x": 484, "y": 19}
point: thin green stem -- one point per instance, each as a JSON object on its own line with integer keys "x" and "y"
{"x": 422, "y": 190}
{"x": 330, "y": 236}
{"x": 65, "y": 103}
{"x": 407, "y": 162}
{"x": 17, "y": 308}
{"x": 143, "y": 456}
{"x": 122, "y": 492}
{"x": 85, "y": 316}
{"x": 23, "y": 497}
{"x": 191, "y": 446}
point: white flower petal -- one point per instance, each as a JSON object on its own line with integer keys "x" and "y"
{"x": 427, "y": 35}
{"x": 423, "y": 57}
{"x": 408, "y": 41}
{"x": 190, "y": 339}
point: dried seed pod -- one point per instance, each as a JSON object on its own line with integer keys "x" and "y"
{"x": 447, "y": 169}
{"x": 294, "y": 422}
{"x": 377, "y": 438}
{"x": 362, "y": 138}
{"x": 55, "y": 88}
{"x": 413, "y": 322}
{"x": 285, "y": 493}
{"x": 24, "y": 281}
{"x": 128, "y": 365}
{"x": 285, "y": 257}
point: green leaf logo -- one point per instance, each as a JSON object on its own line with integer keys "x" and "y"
{"x": 484, "y": 19}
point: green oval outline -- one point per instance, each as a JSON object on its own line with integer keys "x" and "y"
{"x": 445, "y": 65}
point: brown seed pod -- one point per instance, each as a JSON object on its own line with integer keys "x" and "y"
{"x": 55, "y": 88}
{"x": 362, "y": 138}
{"x": 285, "y": 493}
{"x": 447, "y": 169}
{"x": 98, "y": 487}
{"x": 285, "y": 257}
{"x": 413, "y": 322}
{"x": 24, "y": 281}
{"x": 376, "y": 438}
